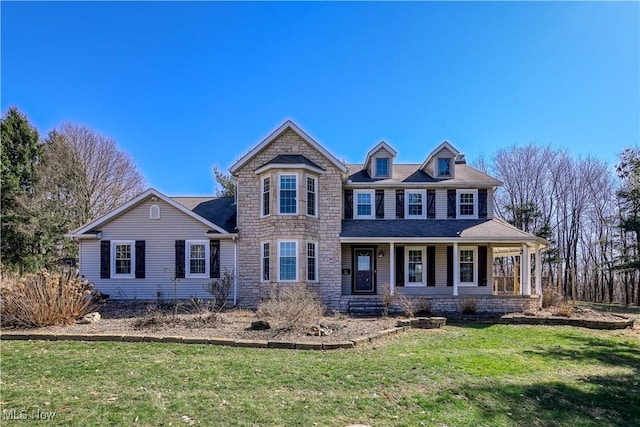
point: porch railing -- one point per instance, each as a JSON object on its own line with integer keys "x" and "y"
{"x": 506, "y": 285}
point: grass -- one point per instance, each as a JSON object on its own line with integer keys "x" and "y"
{"x": 478, "y": 375}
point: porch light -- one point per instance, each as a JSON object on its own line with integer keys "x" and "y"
{"x": 380, "y": 254}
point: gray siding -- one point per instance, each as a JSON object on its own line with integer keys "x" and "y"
{"x": 441, "y": 203}
{"x": 390, "y": 203}
{"x": 160, "y": 236}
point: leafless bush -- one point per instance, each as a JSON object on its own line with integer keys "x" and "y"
{"x": 387, "y": 299}
{"x": 564, "y": 309}
{"x": 407, "y": 305}
{"x": 468, "y": 306}
{"x": 44, "y": 298}
{"x": 551, "y": 297}
{"x": 292, "y": 306}
{"x": 220, "y": 289}
{"x": 422, "y": 307}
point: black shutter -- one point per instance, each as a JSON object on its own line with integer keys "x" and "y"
{"x": 380, "y": 204}
{"x": 140, "y": 259}
{"x": 449, "y": 265}
{"x": 431, "y": 204}
{"x": 399, "y": 266}
{"x": 451, "y": 204}
{"x": 348, "y": 204}
{"x": 482, "y": 203}
{"x": 399, "y": 204}
{"x": 105, "y": 259}
{"x": 431, "y": 265}
{"x": 482, "y": 266}
{"x": 214, "y": 259}
{"x": 180, "y": 259}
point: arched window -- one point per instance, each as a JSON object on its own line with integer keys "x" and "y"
{"x": 154, "y": 212}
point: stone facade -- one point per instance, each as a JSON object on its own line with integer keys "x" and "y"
{"x": 256, "y": 229}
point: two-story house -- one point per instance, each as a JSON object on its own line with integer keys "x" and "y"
{"x": 351, "y": 231}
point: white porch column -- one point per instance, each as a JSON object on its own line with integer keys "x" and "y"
{"x": 456, "y": 269}
{"x": 392, "y": 268}
{"x": 538, "y": 271}
{"x": 525, "y": 271}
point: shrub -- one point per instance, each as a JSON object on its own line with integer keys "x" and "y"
{"x": 387, "y": 299}
{"x": 564, "y": 309}
{"x": 551, "y": 297}
{"x": 468, "y": 306}
{"x": 220, "y": 289}
{"x": 44, "y": 298}
{"x": 291, "y": 306}
{"x": 407, "y": 304}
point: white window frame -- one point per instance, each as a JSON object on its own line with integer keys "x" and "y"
{"x": 265, "y": 254}
{"x": 187, "y": 259}
{"x": 475, "y": 204}
{"x": 295, "y": 242}
{"x": 262, "y": 193}
{"x": 424, "y": 204}
{"x": 372, "y": 195}
{"x": 154, "y": 212}
{"x": 297, "y": 190}
{"x": 475, "y": 265}
{"x": 423, "y": 250}
{"x": 437, "y": 167}
{"x": 378, "y": 174}
{"x": 315, "y": 195}
{"x": 132, "y": 246}
{"x": 315, "y": 257}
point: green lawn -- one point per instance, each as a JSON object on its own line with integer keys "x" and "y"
{"x": 480, "y": 375}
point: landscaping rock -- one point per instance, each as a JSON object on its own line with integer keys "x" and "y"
{"x": 260, "y": 325}
{"x": 319, "y": 331}
{"x": 93, "y": 317}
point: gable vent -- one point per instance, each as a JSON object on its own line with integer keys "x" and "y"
{"x": 154, "y": 212}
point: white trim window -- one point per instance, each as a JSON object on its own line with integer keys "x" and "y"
{"x": 382, "y": 167}
{"x": 415, "y": 204}
{"x": 154, "y": 212}
{"x": 363, "y": 204}
{"x": 288, "y": 194}
{"x": 415, "y": 272}
{"x": 312, "y": 196}
{"x": 196, "y": 259}
{"x": 312, "y": 261}
{"x": 265, "y": 262}
{"x": 467, "y": 204}
{"x": 123, "y": 259}
{"x": 468, "y": 259}
{"x": 265, "y": 200}
{"x": 287, "y": 261}
{"x": 444, "y": 166}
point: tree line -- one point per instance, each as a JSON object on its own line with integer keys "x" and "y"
{"x": 54, "y": 185}
{"x": 588, "y": 212}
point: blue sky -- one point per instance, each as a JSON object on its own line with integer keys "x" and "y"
{"x": 182, "y": 87}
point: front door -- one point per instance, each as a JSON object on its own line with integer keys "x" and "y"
{"x": 363, "y": 265}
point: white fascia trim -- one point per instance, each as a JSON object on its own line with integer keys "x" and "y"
{"x": 135, "y": 201}
{"x": 425, "y": 240}
{"x": 88, "y": 236}
{"x": 274, "y": 135}
{"x": 297, "y": 166}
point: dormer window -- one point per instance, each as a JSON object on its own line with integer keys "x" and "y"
{"x": 444, "y": 166}
{"x": 382, "y": 166}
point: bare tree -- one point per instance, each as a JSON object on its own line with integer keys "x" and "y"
{"x": 88, "y": 173}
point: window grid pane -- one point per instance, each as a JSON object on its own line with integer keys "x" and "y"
{"x": 311, "y": 261}
{"x": 415, "y": 266}
{"x": 265, "y": 261}
{"x": 415, "y": 203}
{"x": 266, "y": 188}
{"x": 123, "y": 259}
{"x": 364, "y": 204}
{"x": 466, "y": 203}
{"x": 466, "y": 266}
{"x": 287, "y": 261}
{"x": 288, "y": 194}
{"x": 197, "y": 259}
{"x": 311, "y": 196}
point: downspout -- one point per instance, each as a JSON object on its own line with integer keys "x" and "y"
{"x": 235, "y": 272}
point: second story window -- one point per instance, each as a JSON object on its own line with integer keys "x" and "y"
{"x": 312, "y": 200}
{"x": 467, "y": 204}
{"x": 266, "y": 195}
{"x": 382, "y": 166}
{"x": 363, "y": 200}
{"x": 444, "y": 166}
{"x": 415, "y": 204}
{"x": 288, "y": 195}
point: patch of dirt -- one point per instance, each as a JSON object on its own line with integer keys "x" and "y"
{"x": 141, "y": 319}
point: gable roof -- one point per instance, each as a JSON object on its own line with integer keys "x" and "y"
{"x": 151, "y": 192}
{"x": 374, "y": 150}
{"x": 291, "y": 160}
{"x": 445, "y": 144}
{"x": 274, "y": 135}
{"x": 219, "y": 210}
